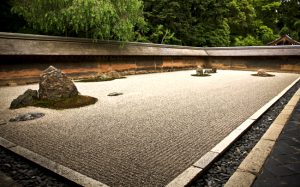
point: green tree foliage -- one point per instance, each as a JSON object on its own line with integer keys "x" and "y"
{"x": 241, "y": 17}
{"x": 194, "y": 22}
{"x": 249, "y": 40}
{"x": 267, "y": 11}
{"x": 289, "y": 22}
{"x": 282, "y": 16}
{"x": 104, "y": 19}
{"x": 211, "y": 22}
{"x": 162, "y": 35}
{"x": 9, "y": 22}
{"x": 245, "y": 24}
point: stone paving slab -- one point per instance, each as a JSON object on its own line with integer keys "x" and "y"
{"x": 282, "y": 168}
{"x": 255, "y": 160}
{"x": 160, "y": 126}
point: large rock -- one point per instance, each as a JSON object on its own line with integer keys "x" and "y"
{"x": 114, "y": 74}
{"x": 25, "y": 99}
{"x": 104, "y": 77}
{"x": 261, "y": 72}
{"x": 199, "y": 71}
{"x": 211, "y": 70}
{"x": 54, "y": 84}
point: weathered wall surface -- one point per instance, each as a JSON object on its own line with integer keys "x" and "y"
{"x": 26, "y": 44}
{"x": 23, "y": 57}
{"x": 270, "y": 63}
{"x": 26, "y": 69}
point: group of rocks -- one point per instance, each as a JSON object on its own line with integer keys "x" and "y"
{"x": 102, "y": 77}
{"x": 201, "y": 72}
{"x": 53, "y": 85}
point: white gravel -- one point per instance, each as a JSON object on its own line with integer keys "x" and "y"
{"x": 149, "y": 135}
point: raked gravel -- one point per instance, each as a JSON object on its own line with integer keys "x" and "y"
{"x": 159, "y": 126}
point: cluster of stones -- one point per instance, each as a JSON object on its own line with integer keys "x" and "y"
{"x": 199, "y": 71}
{"x": 102, "y": 77}
{"x": 204, "y": 72}
{"x": 53, "y": 85}
{"x": 110, "y": 75}
{"x": 262, "y": 73}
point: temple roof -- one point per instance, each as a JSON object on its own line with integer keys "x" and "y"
{"x": 284, "y": 40}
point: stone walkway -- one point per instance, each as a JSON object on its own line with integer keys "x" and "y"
{"x": 161, "y": 125}
{"x": 282, "y": 168}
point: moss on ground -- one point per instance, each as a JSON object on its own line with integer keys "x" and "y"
{"x": 97, "y": 79}
{"x": 204, "y": 75}
{"x": 264, "y": 75}
{"x": 94, "y": 79}
{"x": 73, "y": 102}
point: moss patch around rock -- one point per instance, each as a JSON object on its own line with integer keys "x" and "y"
{"x": 98, "y": 79}
{"x": 72, "y": 102}
{"x": 204, "y": 75}
{"x": 263, "y": 75}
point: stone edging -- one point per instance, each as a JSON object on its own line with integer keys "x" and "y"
{"x": 206, "y": 160}
{"x": 61, "y": 170}
{"x": 252, "y": 164}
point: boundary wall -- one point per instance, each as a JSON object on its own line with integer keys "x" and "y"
{"x": 24, "y": 56}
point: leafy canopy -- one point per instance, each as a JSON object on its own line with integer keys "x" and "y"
{"x": 103, "y": 19}
{"x": 192, "y": 22}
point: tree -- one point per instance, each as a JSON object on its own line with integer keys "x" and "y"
{"x": 267, "y": 12}
{"x": 165, "y": 16}
{"x": 282, "y": 16}
{"x": 9, "y": 22}
{"x": 241, "y": 18}
{"x": 289, "y": 22}
{"x": 247, "y": 21}
{"x": 99, "y": 19}
{"x": 249, "y": 40}
{"x": 194, "y": 22}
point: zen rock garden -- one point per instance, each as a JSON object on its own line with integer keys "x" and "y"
{"x": 56, "y": 91}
